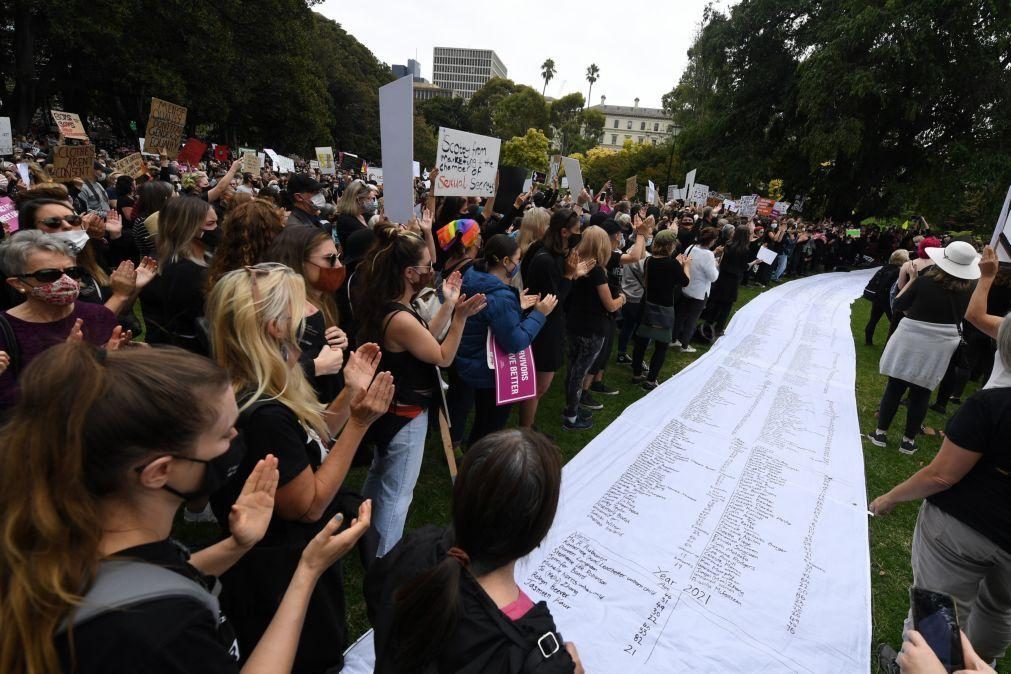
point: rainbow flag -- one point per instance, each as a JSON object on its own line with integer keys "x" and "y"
{"x": 465, "y": 230}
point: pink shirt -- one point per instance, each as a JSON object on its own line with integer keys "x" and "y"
{"x": 518, "y": 608}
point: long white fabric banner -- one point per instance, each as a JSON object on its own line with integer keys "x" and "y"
{"x": 719, "y": 524}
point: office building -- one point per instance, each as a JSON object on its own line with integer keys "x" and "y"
{"x": 424, "y": 91}
{"x": 464, "y": 71}
{"x": 412, "y": 68}
{"x": 635, "y": 123}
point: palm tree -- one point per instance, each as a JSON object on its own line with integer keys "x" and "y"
{"x": 592, "y": 73}
{"x": 548, "y": 73}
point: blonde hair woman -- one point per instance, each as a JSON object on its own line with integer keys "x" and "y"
{"x": 532, "y": 227}
{"x": 256, "y": 316}
{"x": 587, "y": 318}
{"x": 354, "y": 209}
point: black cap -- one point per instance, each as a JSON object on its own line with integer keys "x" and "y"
{"x": 301, "y": 182}
{"x": 599, "y": 217}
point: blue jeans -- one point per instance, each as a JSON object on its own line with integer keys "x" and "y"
{"x": 781, "y": 261}
{"x": 391, "y": 479}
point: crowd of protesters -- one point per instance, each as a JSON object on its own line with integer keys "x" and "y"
{"x": 291, "y": 330}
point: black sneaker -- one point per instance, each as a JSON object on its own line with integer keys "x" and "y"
{"x": 588, "y": 401}
{"x": 955, "y": 401}
{"x": 603, "y": 389}
{"x": 879, "y": 439}
{"x": 624, "y": 359}
{"x": 939, "y": 408}
{"x": 649, "y": 385}
{"x": 584, "y": 412}
{"x": 908, "y": 446}
{"x": 886, "y": 659}
{"x": 576, "y": 424}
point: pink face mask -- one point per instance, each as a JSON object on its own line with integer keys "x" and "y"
{"x": 61, "y": 292}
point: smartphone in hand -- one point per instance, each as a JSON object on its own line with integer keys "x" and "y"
{"x": 936, "y": 618}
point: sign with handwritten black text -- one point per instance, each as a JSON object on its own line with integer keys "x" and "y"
{"x": 467, "y": 164}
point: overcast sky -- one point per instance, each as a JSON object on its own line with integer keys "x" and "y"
{"x": 640, "y": 46}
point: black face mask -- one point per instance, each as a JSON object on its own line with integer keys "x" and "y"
{"x": 211, "y": 237}
{"x": 218, "y": 471}
{"x": 574, "y": 240}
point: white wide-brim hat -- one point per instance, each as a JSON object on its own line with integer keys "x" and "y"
{"x": 958, "y": 258}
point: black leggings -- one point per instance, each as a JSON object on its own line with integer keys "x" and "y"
{"x": 655, "y": 363}
{"x": 719, "y": 313}
{"x": 878, "y": 309}
{"x": 919, "y": 399}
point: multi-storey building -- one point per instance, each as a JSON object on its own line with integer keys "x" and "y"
{"x": 635, "y": 123}
{"x": 464, "y": 71}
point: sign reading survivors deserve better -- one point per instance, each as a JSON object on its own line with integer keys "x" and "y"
{"x": 467, "y": 164}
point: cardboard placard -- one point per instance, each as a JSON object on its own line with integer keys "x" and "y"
{"x": 6, "y": 137}
{"x": 780, "y": 208}
{"x": 165, "y": 127}
{"x": 349, "y": 161}
{"x": 192, "y": 152}
{"x": 132, "y": 165}
{"x": 250, "y": 163}
{"x": 26, "y": 175}
{"x": 72, "y": 161}
{"x": 651, "y": 197}
{"x": 9, "y": 214}
{"x": 631, "y": 188}
{"x": 538, "y": 177}
{"x": 324, "y": 155}
{"x": 416, "y": 168}
{"x": 69, "y": 125}
{"x": 467, "y": 163}
{"x": 511, "y": 183}
{"x": 396, "y": 129}
{"x": 689, "y": 183}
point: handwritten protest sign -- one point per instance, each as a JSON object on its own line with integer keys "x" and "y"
{"x": 69, "y": 125}
{"x": 553, "y": 167}
{"x": 574, "y": 175}
{"x": 324, "y": 155}
{"x": 165, "y": 127}
{"x": 672, "y": 192}
{"x": 73, "y": 161}
{"x": 9, "y": 214}
{"x": 250, "y": 162}
{"x": 132, "y": 165}
{"x": 515, "y": 376}
{"x": 631, "y": 188}
{"x": 192, "y": 152}
{"x": 780, "y": 208}
{"x": 765, "y": 207}
{"x": 699, "y": 194}
{"x": 467, "y": 164}
{"x": 6, "y": 138}
{"x": 748, "y": 206}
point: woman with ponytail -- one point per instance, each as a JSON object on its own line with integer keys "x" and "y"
{"x": 400, "y": 266}
{"x": 447, "y": 600}
{"x": 89, "y": 579}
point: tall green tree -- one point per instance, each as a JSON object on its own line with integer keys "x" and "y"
{"x": 592, "y": 75}
{"x": 448, "y": 112}
{"x": 547, "y": 73}
{"x": 483, "y": 104}
{"x": 521, "y": 110}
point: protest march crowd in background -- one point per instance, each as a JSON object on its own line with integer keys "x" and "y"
{"x": 296, "y": 331}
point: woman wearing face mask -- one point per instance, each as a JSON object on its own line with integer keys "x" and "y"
{"x": 356, "y": 205}
{"x": 172, "y": 303}
{"x": 313, "y": 255}
{"x": 401, "y": 265}
{"x": 514, "y": 321}
{"x": 92, "y": 500}
{"x": 256, "y": 314}
{"x": 42, "y": 270}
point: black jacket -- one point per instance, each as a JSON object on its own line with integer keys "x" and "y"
{"x": 485, "y": 640}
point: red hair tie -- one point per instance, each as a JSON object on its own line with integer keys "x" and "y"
{"x": 459, "y": 555}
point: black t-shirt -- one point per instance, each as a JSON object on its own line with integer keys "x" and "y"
{"x": 924, "y": 299}
{"x": 170, "y": 635}
{"x": 662, "y": 275}
{"x": 172, "y": 302}
{"x": 982, "y": 499}
{"x": 614, "y": 273}
{"x": 313, "y": 340}
{"x": 585, "y": 315}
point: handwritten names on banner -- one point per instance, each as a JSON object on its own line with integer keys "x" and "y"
{"x": 719, "y": 524}
{"x": 467, "y": 163}
{"x": 69, "y": 125}
{"x": 72, "y": 161}
{"x": 165, "y": 127}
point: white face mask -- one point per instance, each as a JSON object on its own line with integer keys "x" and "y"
{"x": 75, "y": 238}
{"x": 318, "y": 200}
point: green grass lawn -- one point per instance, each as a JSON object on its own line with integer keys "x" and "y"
{"x": 890, "y": 537}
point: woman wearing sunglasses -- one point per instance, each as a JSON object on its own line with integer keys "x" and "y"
{"x": 42, "y": 269}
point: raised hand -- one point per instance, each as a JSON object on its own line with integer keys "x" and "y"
{"x": 527, "y": 301}
{"x": 361, "y": 367}
{"x": 251, "y": 512}
{"x": 451, "y": 288}
{"x": 468, "y": 306}
{"x": 119, "y": 339}
{"x": 547, "y": 305}
{"x": 113, "y": 224}
{"x": 76, "y": 332}
{"x": 328, "y": 546}
{"x": 426, "y": 220}
{"x": 123, "y": 279}
{"x": 367, "y": 406}
{"x": 146, "y": 271}
{"x": 94, "y": 225}
{"x": 988, "y": 263}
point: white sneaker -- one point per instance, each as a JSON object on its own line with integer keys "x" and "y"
{"x": 675, "y": 343}
{"x": 688, "y": 349}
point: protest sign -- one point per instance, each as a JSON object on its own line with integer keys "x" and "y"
{"x": 165, "y": 127}
{"x": 324, "y": 155}
{"x": 748, "y": 206}
{"x": 396, "y": 127}
{"x": 250, "y": 163}
{"x": 565, "y": 182}
{"x": 416, "y": 168}
{"x": 554, "y": 166}
{"x": 132, "y": 165}
{"x": 467, "y": 163}
{"x": 349, "y": 161}
{"x": 730, "y": 206}
{"x": 764, "y": 207}
{"x": 9, "y": 214}
{"x": 689, "y": 182}
{"x": 280, "y": 163}
{"x": 780, "y": 208}
{"x": 853, "y": 233}
{"x": 510, "y": 185}
{"x": 631, "y": 188}
{"x": 538, "y": 177}
{"x": 314, "y": 164}
{"x": 573, "y": 175}
{"x": 72, "y": 161}
{"x": 69, "y": 125}
{"x": 6, "y": 137}
{"x": 222, "y": 153}
{"x": 651, "y": 197}
{"x": 26, "y": 176}
{"x": 192, "y": 152}
{"x": 1001, "y": 239}
{"x": 514, "y": 373}
{"x": 672, "y": 192}
{"x": 375, "y": 173}
{"x": 767, "y": 255}
{"x": 261, "y": 158}
{"x": 528, "y": 184}
{"x": 698, "y": 195}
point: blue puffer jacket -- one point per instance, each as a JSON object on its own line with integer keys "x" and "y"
{"x": 512, "y": 330}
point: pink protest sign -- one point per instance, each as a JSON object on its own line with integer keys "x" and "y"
{"x": 9, "y": 214}
{"x": 514, "y": 374}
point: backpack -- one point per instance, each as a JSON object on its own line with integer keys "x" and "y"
{"x": 875, "y": 289}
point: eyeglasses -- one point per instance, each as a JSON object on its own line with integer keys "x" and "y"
{"x": 426, "y": 268}
{"x": 55, "y": 221}
{"x": 50, "y": 275}
{"x": 331, "y": 259}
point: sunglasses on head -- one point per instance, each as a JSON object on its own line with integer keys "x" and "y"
{"x": 50, "y": 275}
{"x": 56, "y": 220}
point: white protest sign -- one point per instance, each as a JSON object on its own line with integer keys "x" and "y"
{"x": 396, "y": 126}
{"x": 467, "y": 164}
{"x": 528, "y": 185}
{"x": 574, "y": 173}
{"x": 416, "y": 168}
{"x": 376, "y": 173}
{"x": 140, "y": 142}
{"x": 767, "y": 255}
{"x": 672, "y": 192}
{"x": 748, "y": 206}
{"x": 650, "y": 192}
{"x": 1003, "y": 246}
{"x": 553, "y": 167}
{"x": 565, "y": 182}
{"x": 24, "y": 173}
{"x": 324, "y": 155}
{"x": 6, "y": 137}
{"x": 699, "y": 194}
{"x": 780, "y": 208}
{"x": 689, "y": 182}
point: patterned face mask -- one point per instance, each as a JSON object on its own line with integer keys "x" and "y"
{"x": 61, "y": 292}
